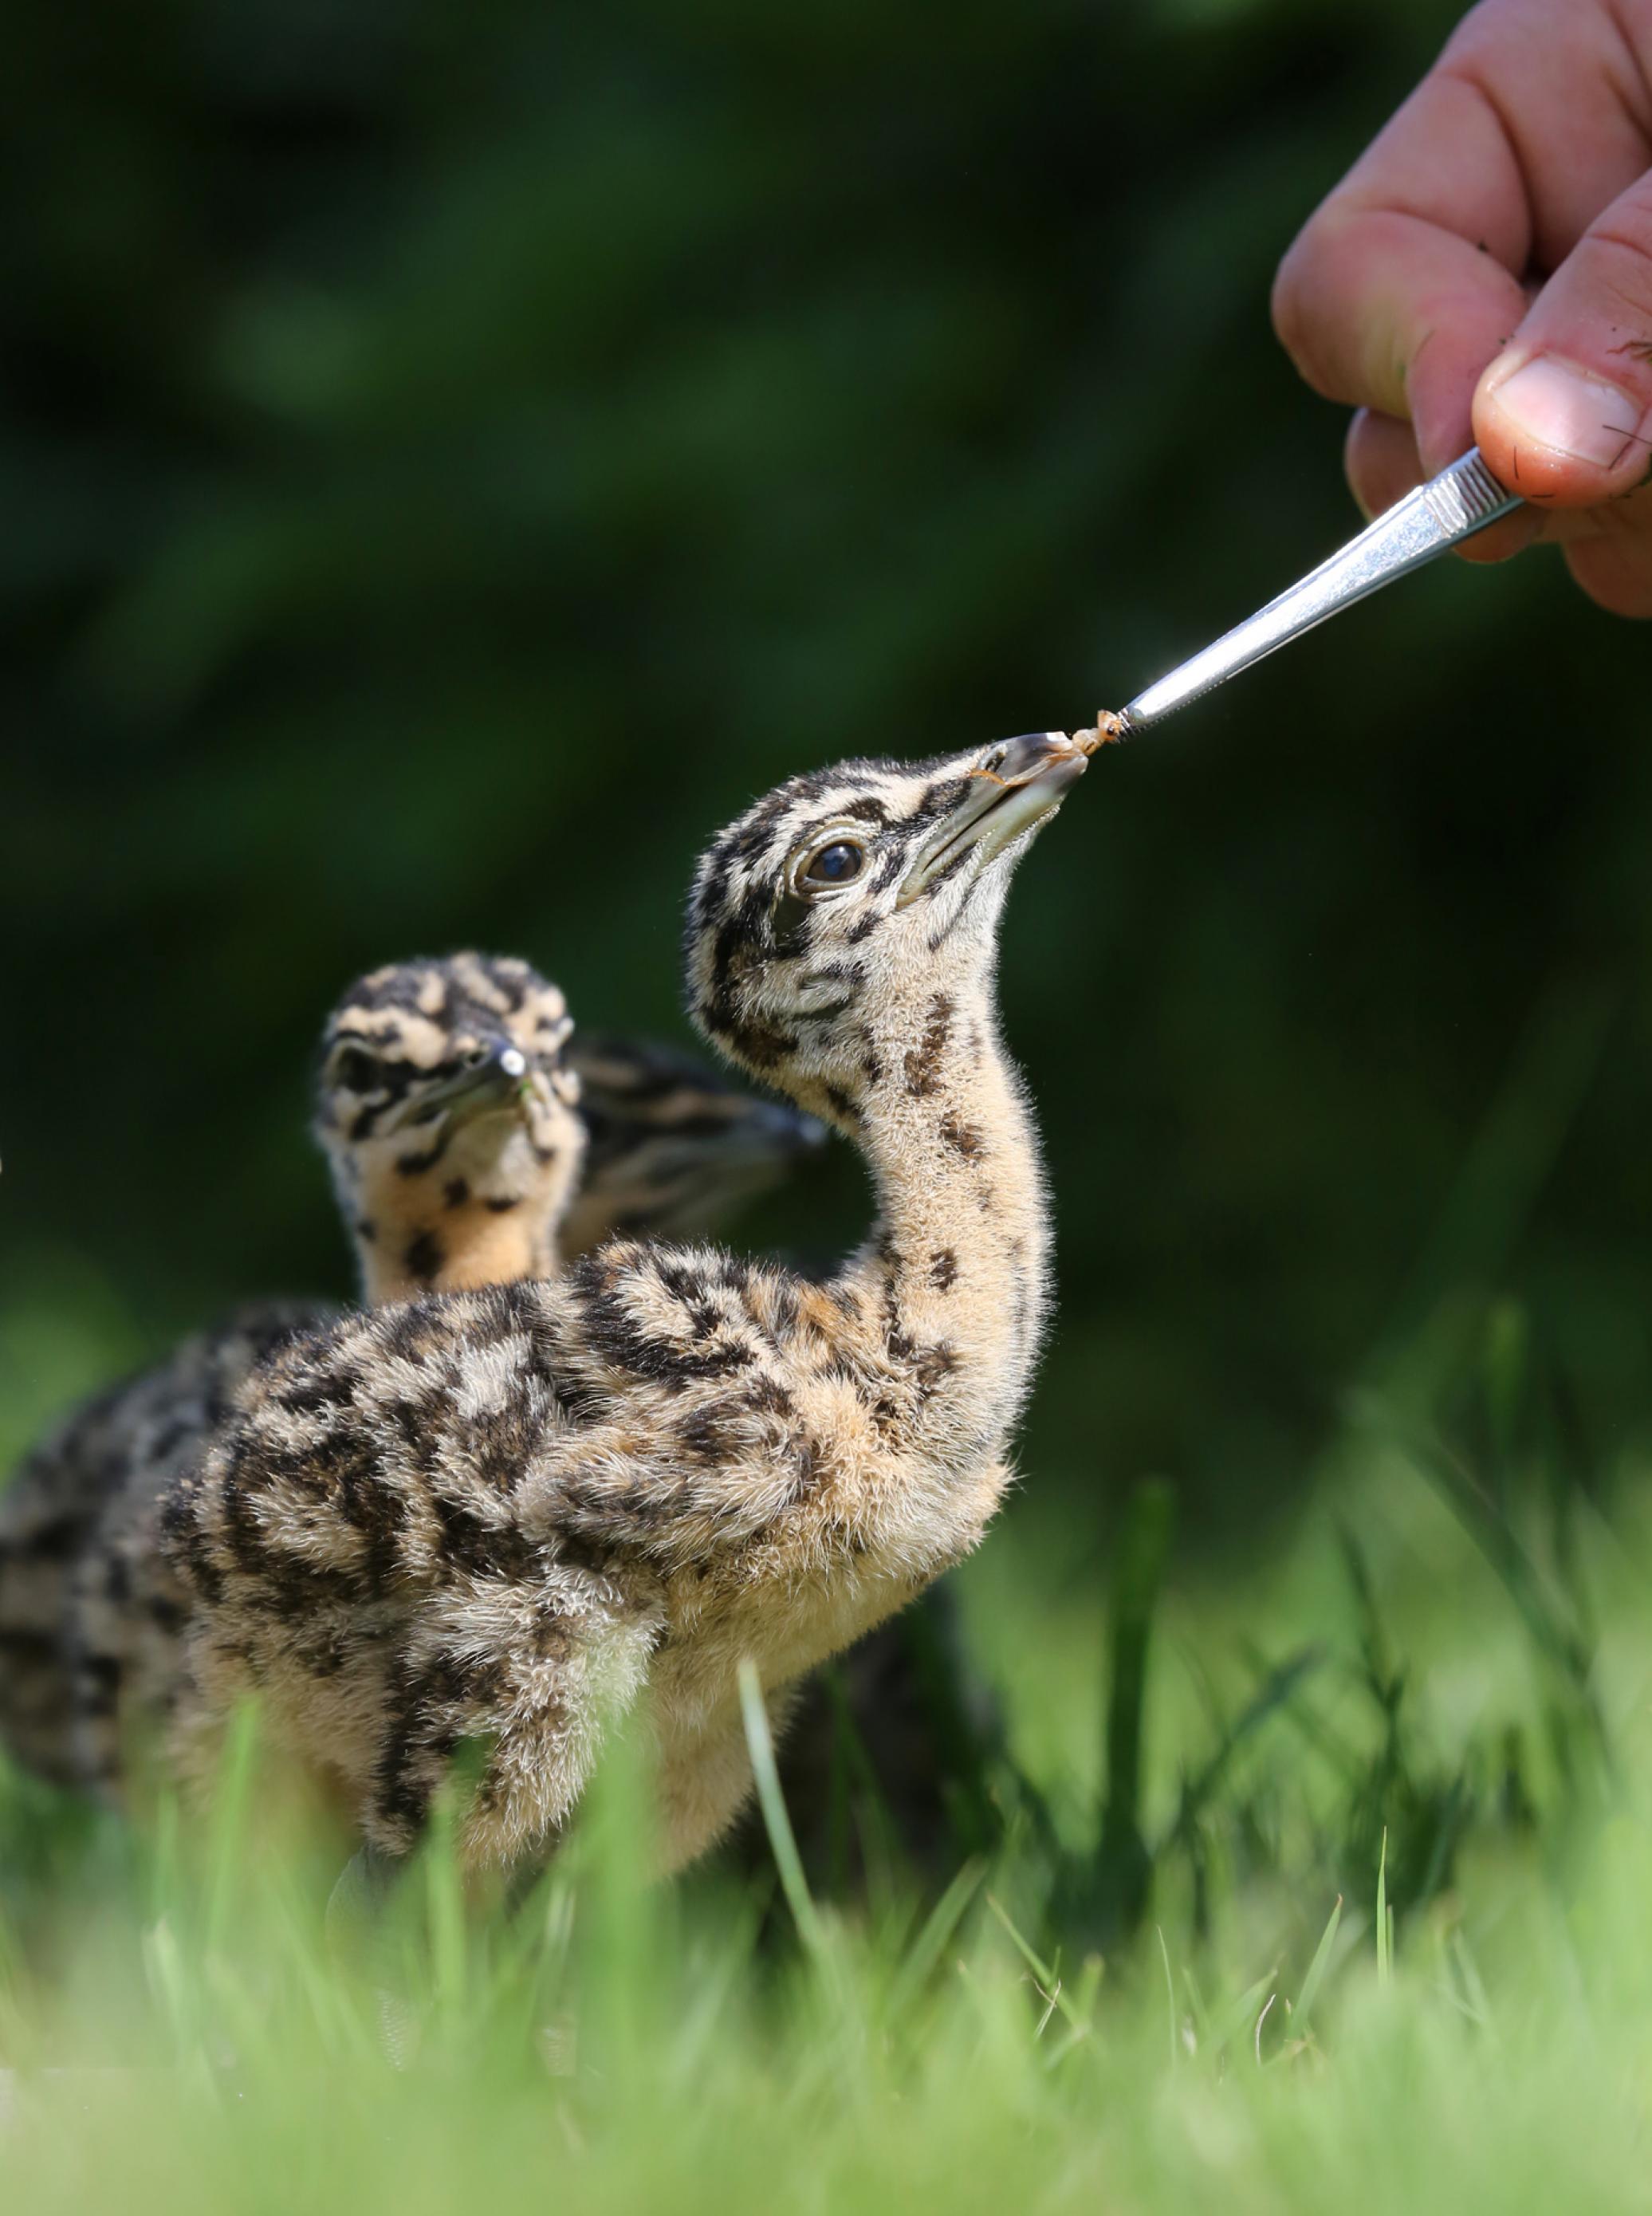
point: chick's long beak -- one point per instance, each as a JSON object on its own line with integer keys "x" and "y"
{"x": 487, "y": 1082}
{"x": 1013, "y": 786}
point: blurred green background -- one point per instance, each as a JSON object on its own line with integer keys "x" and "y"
{"x": 454, "y": 457}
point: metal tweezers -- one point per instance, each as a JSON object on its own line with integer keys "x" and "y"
{"x": 1439, "y": 515}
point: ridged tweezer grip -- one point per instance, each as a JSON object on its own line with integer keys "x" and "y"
{"x": 1465, "y": 497}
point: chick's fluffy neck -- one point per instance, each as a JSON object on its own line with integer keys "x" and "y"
{"x": 959, "y": 1260}
{"x": 464, "y": 1223}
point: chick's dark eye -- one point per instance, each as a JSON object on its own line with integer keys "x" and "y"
{"x": 357, "y": 1070}
{"x": 835, "y": 865}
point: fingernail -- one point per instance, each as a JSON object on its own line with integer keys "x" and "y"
{"x": 1554, "y": 404}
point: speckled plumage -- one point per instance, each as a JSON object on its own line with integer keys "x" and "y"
{"x": 450, "y": 1166}
{"x": 506, "y": 1516}
{"x": 90, "y": 1615}
{"x": 447, "y": 1111}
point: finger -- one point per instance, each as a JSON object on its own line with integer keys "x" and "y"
{"x": 1403, "y": 318}
{"x": 1380, "y": 459}
{"x": 1386, "y": 300}
{"x": 1380, "y": 311}
{"x": 1570, "y": 99}
{"x": 1531, "y": 122}
{"x": 1564, "y": 414}
{"x": 1613, "y": 564}
{"x": 1383, "y": 465}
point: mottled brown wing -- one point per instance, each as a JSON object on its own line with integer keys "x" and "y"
{"x": 83, "y": 1602}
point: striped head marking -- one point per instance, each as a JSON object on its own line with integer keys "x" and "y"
{"x": 443, "y": 1099}
{"x": 840, "y": 903}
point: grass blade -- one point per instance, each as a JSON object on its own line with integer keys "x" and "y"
{"x": 932, "y": 1942}
{"x": 231, "y": 1809}
{"x": 1316, "y": 1977}
{"x": 782, "y": 1842}
{"x": 1169, "y": 1991}
{"x": 1276, "y": 1690}
{"x": 1048, "y": 1979}
{"x": 1232, "y": 2017}
{"x": 1123, "y": 1865}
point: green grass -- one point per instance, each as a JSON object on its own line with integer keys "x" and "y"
{"x": 1321, "y": 1883}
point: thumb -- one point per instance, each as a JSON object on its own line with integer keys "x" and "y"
{"x": 1564, "y": 414}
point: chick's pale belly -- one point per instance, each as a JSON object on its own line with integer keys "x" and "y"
{"x": 787, "y": 1625}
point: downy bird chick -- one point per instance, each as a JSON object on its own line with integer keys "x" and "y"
{"x": 452, "y": 1163}
{"x": 449, "y": 1118}
{"x": 446, "y": 1112}
{"x": 466, "y": 1061}
{"x": 504, "y": 1517}
{"x": 459, "y": 1119}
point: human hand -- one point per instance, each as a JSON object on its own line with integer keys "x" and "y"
{"x": 1484, "y": 276}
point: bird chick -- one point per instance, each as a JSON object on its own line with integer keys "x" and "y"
{"x": 448, "y": 1115}
{"x": 419, "y": 1060}
{"x": 503, "y": 1517}
{"x": 449, "y": 1120}
{"x": 444, "y": 1110}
